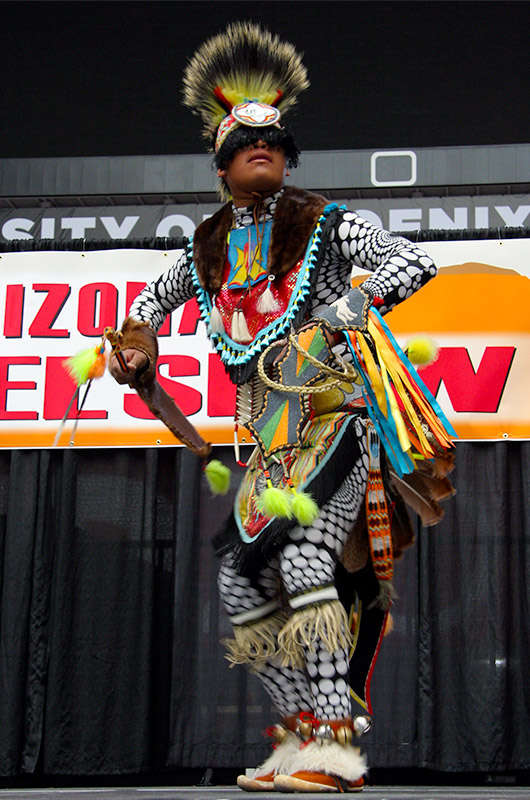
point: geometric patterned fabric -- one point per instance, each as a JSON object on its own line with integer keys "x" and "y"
{"x": 280, "y": 422}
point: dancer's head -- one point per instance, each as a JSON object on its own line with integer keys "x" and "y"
{"x": 241, "y": 82}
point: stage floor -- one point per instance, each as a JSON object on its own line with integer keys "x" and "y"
{"x": 232, "y": 792}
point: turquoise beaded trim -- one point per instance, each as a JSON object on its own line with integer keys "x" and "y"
{"x": 235, "y": 354}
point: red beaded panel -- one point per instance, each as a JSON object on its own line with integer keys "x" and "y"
{"x": 247, "y": 300}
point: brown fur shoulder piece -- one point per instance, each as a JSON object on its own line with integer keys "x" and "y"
{"x": 209, "y": 248}
{"x": 140, "y": 336}
{"x": 295, "y": 217}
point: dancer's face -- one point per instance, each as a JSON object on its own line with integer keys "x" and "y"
{"x": 255, "y": 168}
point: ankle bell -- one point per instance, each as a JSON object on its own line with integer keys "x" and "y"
{"x": 362, "y": 724}
{"x": 344, "y": 735}
{"x": 324, "y": 734}
{"x": 304, "y": 730}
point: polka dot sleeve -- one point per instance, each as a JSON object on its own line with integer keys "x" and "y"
{"x": 399, "y": 267}
{"x": 164, "y": 295}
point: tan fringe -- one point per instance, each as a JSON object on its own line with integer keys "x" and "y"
{"x": 256, "y": 642}
{"x": 326, "y": 622}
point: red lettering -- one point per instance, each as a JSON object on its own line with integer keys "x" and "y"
{"x": 58, "y": 391}
{"x": 42, "y": 325}
{"x": 98, "y": 308}
{"x": 14, "y": 311}
{"x": 134, "y": 407}
{"x": 133, "y": 290}
{"x": 190, "y": 318}
{"x": 6, "y": 386}
{"x": 470, "y": 391}
{"x": 221, "y": 390}
{"x": 188, "y": 400}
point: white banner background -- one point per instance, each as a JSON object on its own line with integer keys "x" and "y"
{"x": 53, "y": 303}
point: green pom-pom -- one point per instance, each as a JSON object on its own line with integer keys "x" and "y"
{"x": 80, "y": 365}
{"x": 422, "y": 350}
{"x": 218, "y": 476}
{"x": 275, "y": 502}
{"x": 304, "y": 508}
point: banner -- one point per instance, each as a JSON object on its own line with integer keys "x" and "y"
{"x": 132, "y": 223}
{"x": 53, "y": 304}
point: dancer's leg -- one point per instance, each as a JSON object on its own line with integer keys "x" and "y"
{"x": 255, "y": 611}
{"x": 317, "y": 635}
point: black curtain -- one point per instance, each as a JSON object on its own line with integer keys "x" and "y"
{"x": 474, "y": 617}
{"x": 110, "y": 622}
{"x": 86, "y": 580}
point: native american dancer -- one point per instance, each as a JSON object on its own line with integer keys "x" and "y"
{"x": 320, "y": 384}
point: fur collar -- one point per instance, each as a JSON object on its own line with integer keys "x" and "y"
{"x": 295, "y": 217}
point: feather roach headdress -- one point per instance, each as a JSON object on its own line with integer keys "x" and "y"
{"x": 242, "y": 77}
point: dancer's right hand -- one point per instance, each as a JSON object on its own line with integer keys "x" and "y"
{"x": 136, "y": 361}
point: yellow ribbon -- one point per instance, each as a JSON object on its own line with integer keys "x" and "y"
{"x": 373, "y": 373}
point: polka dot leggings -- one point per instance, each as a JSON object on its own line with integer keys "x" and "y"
{"x": 306, "y": 563}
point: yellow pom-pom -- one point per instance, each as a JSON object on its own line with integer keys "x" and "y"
{"x": 274, "y": 502}
{"x": 218, "y": 476}
{"x": 304, "y": 508}
{"x": 87, "y": 364}
{"x": 422, "y": 350}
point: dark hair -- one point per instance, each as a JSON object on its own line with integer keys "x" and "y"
{"x": 246, "y": 135}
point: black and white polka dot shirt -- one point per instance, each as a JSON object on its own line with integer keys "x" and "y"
{"x": 398, "y": 268}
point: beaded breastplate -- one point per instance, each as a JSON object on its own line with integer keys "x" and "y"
{"x": 291, "y": 293}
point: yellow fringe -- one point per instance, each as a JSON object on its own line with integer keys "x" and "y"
{"x": 405, "y": 387}
{"x": 256, "y": 642}
{"x": 327, "y": 623}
